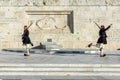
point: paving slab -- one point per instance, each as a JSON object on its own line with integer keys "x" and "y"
{"x": 61, "y": 57}
{"x": 44, "y": 57}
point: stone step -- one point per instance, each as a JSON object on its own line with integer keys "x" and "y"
{"x": 60, "y": 69}
{"x": 48, "y": 43}
{"x": 14, "y": 69}
{"x": 59, "y": 74}
{"x": 59, "y": 65}
{"x": 51, "y": 45}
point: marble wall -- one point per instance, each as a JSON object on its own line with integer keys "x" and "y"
{"x": 67, "y": 22}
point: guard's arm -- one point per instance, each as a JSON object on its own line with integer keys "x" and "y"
{"x": 108, "y": 27}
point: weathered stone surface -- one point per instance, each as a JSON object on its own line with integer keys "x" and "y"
{"x": 57, "y": 2}
{"x": 68, "y": 22}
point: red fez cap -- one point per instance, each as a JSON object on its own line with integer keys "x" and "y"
{"x": 25, "y": 25}
{"x": 102, "y": 26}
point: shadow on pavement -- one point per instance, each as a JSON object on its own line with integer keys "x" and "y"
{"x": 15, "y": 50}
{"x": 12, "y": 50}
{"x": 38, "y": 47}
{"x": 118, "y": 49}
{"x": 23, "y": 50}
{"x": 69, "y": 52}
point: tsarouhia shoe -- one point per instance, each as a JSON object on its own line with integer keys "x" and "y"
{"x": 103, "y": 55}
{"x": 26, "y": 55}
{"x": 89, "y": 45}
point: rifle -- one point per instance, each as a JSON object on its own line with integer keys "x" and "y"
{"x": 31, "y": 22}
{"x": 97, "y": 24}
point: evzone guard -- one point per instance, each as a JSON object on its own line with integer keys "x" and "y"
{"x": 26, "y": 39}
{"x": 102, "y": 40}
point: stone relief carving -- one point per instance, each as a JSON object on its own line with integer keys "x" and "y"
{"x": 51, "y": 2}
{"x": 48, "y": 23}
{"x": 55, "y": 21}
{"x": 109, "y": 2}
{"x": 56, "y": 2}
{"x": 77, "y": 2}
{"x": 74, "y": 2}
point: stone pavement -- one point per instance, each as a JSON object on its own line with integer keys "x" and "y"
{"x": 59, "y": 57}
{"x": 59, "y": 65}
